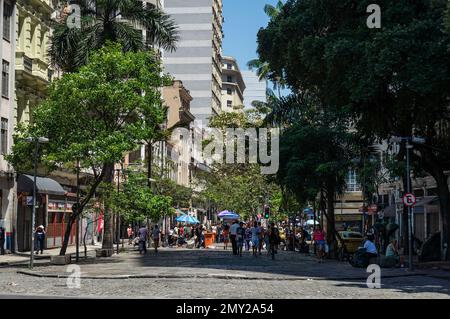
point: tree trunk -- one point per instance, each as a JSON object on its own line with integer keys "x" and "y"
{"x": 149, "y": 164}
{"x": 72, "y": 220}
{"x": 108, "y": 221}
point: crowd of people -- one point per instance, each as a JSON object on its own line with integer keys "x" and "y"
{"x": 249, "y": 236}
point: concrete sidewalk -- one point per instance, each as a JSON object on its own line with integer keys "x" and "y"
{"x": 23, "y": 258}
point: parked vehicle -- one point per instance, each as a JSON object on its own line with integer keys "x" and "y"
{"x": 351, "y": 242}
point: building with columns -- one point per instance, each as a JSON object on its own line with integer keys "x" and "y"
{"x": 32, "y": 64}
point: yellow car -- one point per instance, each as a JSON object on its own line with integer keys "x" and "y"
{"x": 351, "y": 242}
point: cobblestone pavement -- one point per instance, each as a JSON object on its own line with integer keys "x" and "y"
{"x": 190, "y": 274}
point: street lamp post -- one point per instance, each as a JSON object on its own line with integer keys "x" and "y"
{"x": 409, "y": 146}
{"x": 36, "y": 141}
{"x": 77, "y": 235}
{"x": 118, "y": 215}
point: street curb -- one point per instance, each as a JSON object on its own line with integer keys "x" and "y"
{"x": 209, "y": 276}
{"x": 23, "y": 263}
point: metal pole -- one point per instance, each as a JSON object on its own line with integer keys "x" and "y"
{"x": 33, "y": 215}
{"x": 408, "y": 183}
{"x": 118, "y": 216}
{"x": 77, "y": 235}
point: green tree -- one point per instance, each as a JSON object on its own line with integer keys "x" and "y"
{"x": 110, "y": 20}
{"x": 389, "y": 81}
{"x": 307, "y": 170}
{"x": 95, "y": 115}
{"x": 237, "y": 187}
{"x": 136, "y": 203}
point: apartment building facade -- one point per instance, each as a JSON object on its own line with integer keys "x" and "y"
{"x": 7, "y": 114}
{"x": 255, "y": 89}
{"x": 233, "y": 86}
{"x": 197, "y": 60}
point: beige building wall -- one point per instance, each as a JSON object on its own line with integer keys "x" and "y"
{"x": 233, "y": 86}
{"x": 177, "y": 99}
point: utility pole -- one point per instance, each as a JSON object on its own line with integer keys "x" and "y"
{"x": 33, "y": 219}
{"x": 118, "y": 215}
{"x": 408, "y": 183}
{"x": 36, "y": 141}
{"x": 409, "y": 146}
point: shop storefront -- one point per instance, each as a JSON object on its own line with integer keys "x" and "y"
{"x": 59, "y": 209}
{"x": 47, "y": 189}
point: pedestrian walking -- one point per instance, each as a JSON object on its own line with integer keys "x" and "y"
{"x": 240, "y": 237}
{"x": 262, "y": 238}
{"x": 255, "y": 233}
{"x": 2, "y": 240}
{"x": 156, "y": 236}
{"x": 219, "y": 233}
{"x": 130, "y": 234}
{"x": 248, "y": 236}
{"x": 40, "y": 239}
{"x": 233, "y": 233}
{"x": 274, "y": 239}
{"x": 143, "y": 237}
{"x": 200, "y": 236}
{"x": 226, "y": 236}
{"x": 319, "y": 241}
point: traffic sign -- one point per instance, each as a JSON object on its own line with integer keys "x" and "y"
{"x": 409, "y": 199}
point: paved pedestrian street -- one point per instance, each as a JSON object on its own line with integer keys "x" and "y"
{"x": 215, "y": 273}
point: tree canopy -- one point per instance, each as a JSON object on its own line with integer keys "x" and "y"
{"x": 95, "y": 116}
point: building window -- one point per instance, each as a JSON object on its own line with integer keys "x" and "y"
{"x": 229, "y": 79}
{"x": 229, "y": 103}
{"x": 352, "y": 183}
{"x": 4, "y": 136}
{"x": 7, "y": 14}
{"x": 5, "y": 79}
{"x": 229, "y": 66}
{"x": 229, "y": 91}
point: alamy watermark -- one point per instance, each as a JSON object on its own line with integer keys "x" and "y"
{"x": 230, "y": 146}
{"x": 374, "y": 19}
{"x": 74, "y": 279}
{"x": 374, "y": 279}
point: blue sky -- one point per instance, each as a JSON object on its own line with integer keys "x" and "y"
{"x": 243, "y": 18}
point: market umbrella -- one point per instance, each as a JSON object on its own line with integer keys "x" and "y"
{"x": 230, "y": 215}
{"x": 311, "y": 222}
{"x": 222, "y": 213}
{"x": 187, "y": 219}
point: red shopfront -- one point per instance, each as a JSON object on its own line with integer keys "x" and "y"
{"x": 59, "y": 209}
{"x": 52, "y": 210}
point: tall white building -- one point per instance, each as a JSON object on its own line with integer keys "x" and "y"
{"x": 255, "y": 89}
{"x": 197, "y": 60}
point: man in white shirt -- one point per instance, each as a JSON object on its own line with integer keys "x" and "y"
{"x": 233, "y": 232}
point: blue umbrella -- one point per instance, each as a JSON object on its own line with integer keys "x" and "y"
{"x": 187, "y": 219}
{"x": 230, "y": 215}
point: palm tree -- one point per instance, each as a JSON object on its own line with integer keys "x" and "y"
{"x": 273, "y": 11}
{"x": 110, "y": 20}
{"x": 263, "y": 70}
